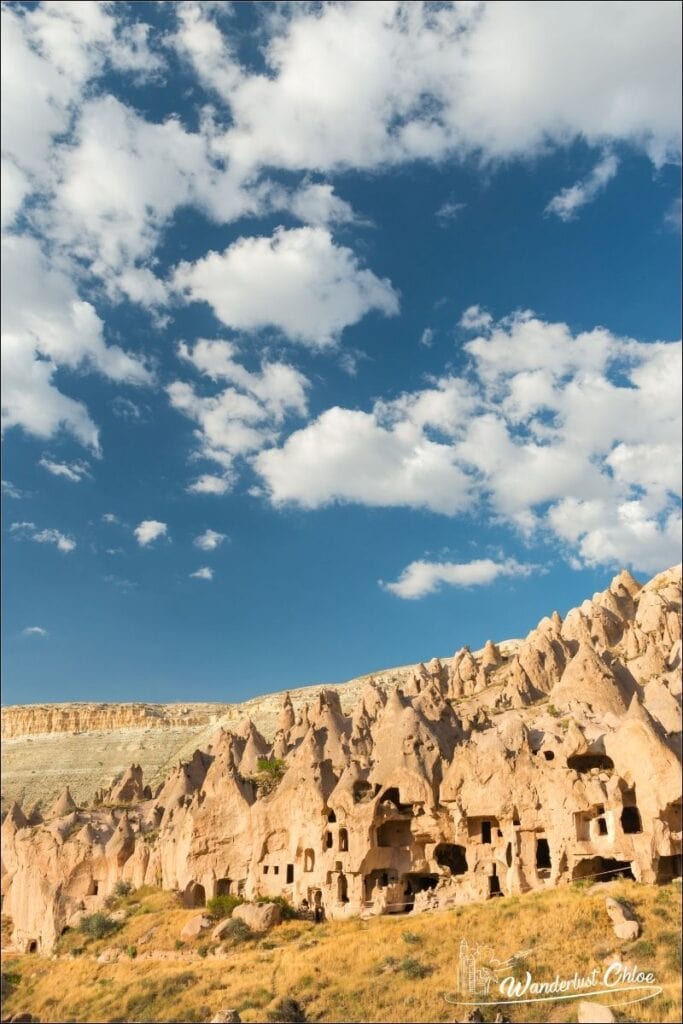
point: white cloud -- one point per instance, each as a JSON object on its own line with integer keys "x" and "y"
{"x": 73, "y": 471}
{"x": 405, "y": 81}
{"x": 111, "y": 518}
{"x": 10, "y": 491}
{"x": 567, "y": 202}
{"x": 128, "y": 410}
{"x": 46, "y": 326}
{"x": 427, "y": 337}
{"x": 209, "y": 540}
{"x": 29, "y": 531}
{"x": 421, "y": 578}
{"x": 672, "y": 217}
{"x": 297, "y": 281}
{"x": 540, "y": 417}
{"x": 476, "y": 319}
{"x": 449, "y": 211}
{"x": 238, "y": 419}
{"x": 205, "y": 573}
{"x": 318, "y": 205}
{"x": 208, "y": 483}
{"x": 351, "y": 456}
{"x": 36, "y": 631}
{"x": 148, "y": 531}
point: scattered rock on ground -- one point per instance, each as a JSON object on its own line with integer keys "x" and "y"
{"x": 623, "y": 920}
{"x": 594, "y": 1013}
{"x": 227, "y": 1016}
{"x": 195, "y": 926}
{"x": 259, "y": 916}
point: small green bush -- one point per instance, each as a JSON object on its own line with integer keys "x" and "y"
{"x": 132, "y": 951}
{"x": 97, "y": 926}
{"x": 223, "y": 906}
{"x": 203, "y": 949}
{"x": 178, "y": 983}
{"x": 412, "y": 968}
{"x": 179, "y": 944}
{"x": 412, "y": 938}
{"x": 273, "y": 766}
{"x": 122, "y": 889}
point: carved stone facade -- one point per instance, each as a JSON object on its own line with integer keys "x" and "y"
{"x": 523, "y": 767}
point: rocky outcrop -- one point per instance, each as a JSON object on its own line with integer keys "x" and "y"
{"x": 522, "y": 766}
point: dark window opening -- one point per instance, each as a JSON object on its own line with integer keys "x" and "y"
{"x": 515, "y": 822}
{"x": 276, "y": 869}
{"x": 630, "y": 820}
{"x": 265, "y": 869}
{"x": 543, "y": 862}
{"x": 602, "y": 827}
{"x": 331, "y": 817}
{"x": 494, "y": 886}
{"x": 549, "y": 755}
{"x": 363, "y": 791}
{"x": 668, "y": 868}
{"x": 602, "y": 869}
{"x": 290, "y": 874}
{"x": 343, "y": 840}
{"x": 241, "y": 886}
{"x": 329, "y": 840}
{"x": 586, "y": 762}
{"x": 342, "y": 889}
{"x": 450, "y": 856}
{"x": 508, "y": 855}
{"x": 32, "y": 946}
{"x": 223, "y": 886}
{"x": 486, "y": 831}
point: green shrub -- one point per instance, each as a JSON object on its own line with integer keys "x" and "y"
{"x": 412, "y": 968}
{"x": 288, "y": 911}
{"x": 179, "y": 944}
{"x": 97, "y": 926}
{"x": 203, "y": 949}
{"x": 273, "y": 766}
{"x": 412, "y": 938}
{"x": 132, "y": 951}
{"x": 122, "y": 889}
{"x": 223, "y": 906}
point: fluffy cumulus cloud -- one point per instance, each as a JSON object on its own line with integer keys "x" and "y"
{"x": 148, "y": 531}
{"x": 297, "y": 281}
{"x": 209, "y": 540}
{"x": 563, "y": 436}
{"x": 245, "y": 411}
{"x": 421, "y": 578}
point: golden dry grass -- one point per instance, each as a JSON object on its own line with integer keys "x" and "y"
{"x": 348, "y": 971}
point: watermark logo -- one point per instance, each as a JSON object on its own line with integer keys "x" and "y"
{"x": 484, "y": 979}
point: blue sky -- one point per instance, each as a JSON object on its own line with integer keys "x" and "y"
{"x": 334, "y": 337}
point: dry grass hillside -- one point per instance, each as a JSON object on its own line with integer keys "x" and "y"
{"x": 84, "y": 746}
{"x": 383, "y": 969}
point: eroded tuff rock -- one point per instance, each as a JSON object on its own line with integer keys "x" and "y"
{"x": 521, "y": 766}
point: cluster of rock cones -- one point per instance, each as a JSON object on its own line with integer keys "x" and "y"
{"x": 514, "y": 768}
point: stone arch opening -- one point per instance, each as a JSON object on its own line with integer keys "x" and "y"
{"x": 223, "y": 886}
{"x": 668, "y": 868}
{"x": 494, "y": 884}
{"x": 451, "y": 856}
{"x": 549, "y": 755}
{"x": 329, "y": 840}
{"x": 32, "y": 946}
{"x": 343, "y": 840}
{"x": 331, "y": 817}
{"x": 195, "y": 895}
{"x": 586, "y": 762}
{"x": 309, "y": 860}
{"x": 342, "y": 889}
{"x": 364, "y": 791}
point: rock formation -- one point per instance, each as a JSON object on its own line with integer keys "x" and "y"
{"x": 522, "y": 766}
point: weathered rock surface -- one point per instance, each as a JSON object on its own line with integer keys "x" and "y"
{"x": 522, "y": 766}
{"x": 258, "y": 916}
{"x": 594, "y": 1013}
{"x": 623, "y": 920}
{"x": 195, "y": 926}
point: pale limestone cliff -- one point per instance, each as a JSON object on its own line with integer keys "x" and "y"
{"x": 521, "y": 766}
